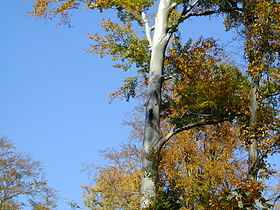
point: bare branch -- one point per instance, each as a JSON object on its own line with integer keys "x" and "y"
{"x": 271, "y": 95}
{"x": 186, "y": 9}
{"x": 168, "y": 77}
{"x": 200, "y": 114}
{"x": 210, "y": 12}
{"x": 187, "y": 13}
{"x": 202, "y": 13}
{"x": 213, "y": 115}
{"x": 172, "y": 6}
{"x": 148, "y": 28}
{"x": 176, "y": 130}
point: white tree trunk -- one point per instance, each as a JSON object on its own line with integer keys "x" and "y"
{"x": 152, "y": 121}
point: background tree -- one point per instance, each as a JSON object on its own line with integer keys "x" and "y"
{"x": 258, "y": 23}
{"x": 116, "y": 185}
{"x": 22, "y": 181}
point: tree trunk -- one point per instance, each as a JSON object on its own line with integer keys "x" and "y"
{"x": 253, "y": 144}
{"x": 152, "y": 121}
{"x": 253, "y": 106}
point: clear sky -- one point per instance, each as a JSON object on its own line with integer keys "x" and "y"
{"x": 54, "y": 96}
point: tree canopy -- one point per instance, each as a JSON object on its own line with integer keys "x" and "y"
{"x": 201, "y": 111}
{"x": 22, "y": 181}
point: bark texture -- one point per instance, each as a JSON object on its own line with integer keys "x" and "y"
{"x": 253, "y": 106}
{"x": 253, "y": 144}
{"x": 152, "y": 122}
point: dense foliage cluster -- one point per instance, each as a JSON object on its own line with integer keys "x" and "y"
{"x": 22, "y": 182}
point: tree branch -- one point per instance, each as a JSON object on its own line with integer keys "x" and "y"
{"x": 214, "y": 115}
{"x": 200, "y": 114}
{"x": 187, "y": 10}
{"x": 176, "y": 130}
{"x": 148, "y": 28}
{"x": 183, "y": 13}
{"x": 271, "y": 95}
{"x": 210, "y": 12}
{"x": 172, "y": 6}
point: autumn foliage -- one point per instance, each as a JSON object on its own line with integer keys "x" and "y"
{"x": 204, "y": 168}
{"x": 22, "y": 181}
{"x": 211, "y": 125}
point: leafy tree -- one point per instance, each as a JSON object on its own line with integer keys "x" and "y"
{"x": 200, "y": 174}
{"x": 203, "y": 168}
{"x": 262, "y": 45}
{"x": 117, "y": 185}
{"x": 258, "y": 22}
{"x": 124, "y": 43}
{"x": 202, "y": 84}
{"x": 22, "y": 182}
{"x": 147, "y": 51}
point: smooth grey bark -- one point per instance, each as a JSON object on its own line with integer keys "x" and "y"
{"x": 152, "y": 120}
{"x": 153, "y": 141}
{"x": 253, "y": 106}
{"x": 253, "y": 144}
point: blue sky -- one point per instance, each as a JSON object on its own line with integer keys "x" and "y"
{"x": 54, "y": 96}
